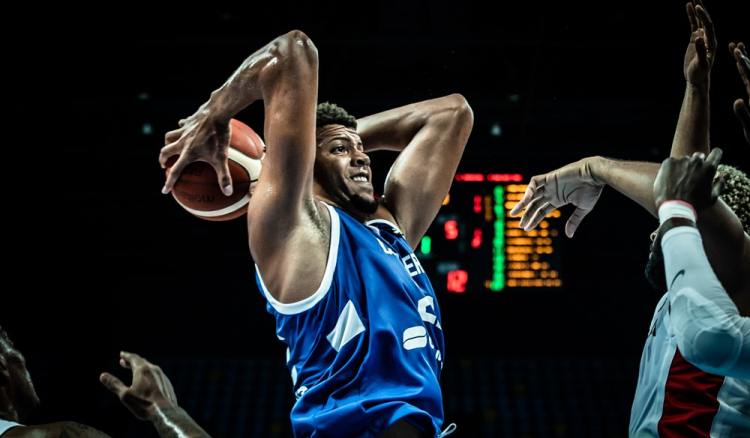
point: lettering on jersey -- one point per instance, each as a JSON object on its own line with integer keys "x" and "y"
{"x": 386, "y": 249}
{"x": 412, "y": 265}
{"x": 410, "y": 262}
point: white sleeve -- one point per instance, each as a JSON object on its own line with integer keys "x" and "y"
{"x": 709, "y": 330}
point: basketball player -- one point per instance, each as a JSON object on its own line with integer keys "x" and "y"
{"x": 336, "y": 264}
{"x": 705, "y": 322}
{"x": 151, "y": 398}
{"x": 693, "y": 389}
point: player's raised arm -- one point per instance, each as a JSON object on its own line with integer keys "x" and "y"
{"x": 431, "y": 136}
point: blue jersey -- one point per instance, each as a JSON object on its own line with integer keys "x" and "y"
{"x": 366, "y": 349}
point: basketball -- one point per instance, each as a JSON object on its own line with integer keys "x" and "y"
{"x": 198, "y": 191}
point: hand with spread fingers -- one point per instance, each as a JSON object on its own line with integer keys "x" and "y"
{"x": 690, "y": 179}
{"x": 701, "y": 52}
{"x": 151, "y": 397}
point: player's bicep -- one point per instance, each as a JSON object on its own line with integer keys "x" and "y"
{"x": 421, "y": 178}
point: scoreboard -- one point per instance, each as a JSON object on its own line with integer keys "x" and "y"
{"x": 474, "y": 245}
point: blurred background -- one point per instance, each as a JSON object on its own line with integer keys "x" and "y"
{"x": 119, "y": 266}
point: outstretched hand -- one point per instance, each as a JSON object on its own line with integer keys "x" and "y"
{"x": 150, "y": 391}
{"x": 570, "y": 184}
{"x": 701, "y": 52}
{"x": 739, "y": 53}
{"x": 199, "y": 138}
{"x": 690, "y": 179}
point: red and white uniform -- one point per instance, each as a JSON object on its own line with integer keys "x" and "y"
{"x": 694, "y": 377}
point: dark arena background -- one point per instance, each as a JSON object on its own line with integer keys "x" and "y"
{"x": 115, "y": 265}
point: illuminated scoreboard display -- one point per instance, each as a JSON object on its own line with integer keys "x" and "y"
{"x": 475, "y": 245}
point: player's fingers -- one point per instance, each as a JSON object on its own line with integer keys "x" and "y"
{"x": 742, "y": 113}
{"x": 574, "y": 221}
{"x": 112, "y": 383}
{"x": 225, "y": 178}
{"x": 539, "y": 215}
{"x": 691, "y": 17}
{"x": 714, "y": 157}
{"x": 529, "y": 212}
{"x": 130, "y": 360}
{"x": 700, "y": 50}
{"x": 706, "y": 24}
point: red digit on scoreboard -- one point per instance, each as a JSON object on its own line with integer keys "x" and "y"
{"x": 457, "y": 281}
{"x": 451, "y": 230}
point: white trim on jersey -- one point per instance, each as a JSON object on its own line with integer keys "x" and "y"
{"x": 325, "y": 284}
{"x": 6, "y": 425}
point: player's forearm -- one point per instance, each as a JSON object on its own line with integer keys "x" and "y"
{"x": 262, "y": 74}
{"x": 634, "y": 179}
{"x": 176, "y": 423}
{"x": 395, "y": 129}
{"x": 692, "y": 132}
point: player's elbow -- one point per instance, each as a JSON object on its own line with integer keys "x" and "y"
{"x": 713, "y": 349}
{"x": 463, "y": 112}
{"x": 295, "y": 50}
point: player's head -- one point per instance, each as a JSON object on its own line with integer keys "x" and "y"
{"x": 735, "y": 193}
{"x": 342, "y": 170}
{"x": 18, "y": 398}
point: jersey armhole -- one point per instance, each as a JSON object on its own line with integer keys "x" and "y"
{"x": 325, "y": 284}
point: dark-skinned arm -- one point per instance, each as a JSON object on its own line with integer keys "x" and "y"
{"x": 431, "y": 136}
{"x": 61, "y": 429}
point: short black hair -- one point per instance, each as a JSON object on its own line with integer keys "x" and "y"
{"x": 736, "y": 193}
{"x": 331, "y": 114}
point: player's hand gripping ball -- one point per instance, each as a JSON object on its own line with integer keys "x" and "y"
{"x": 198, "y": 191}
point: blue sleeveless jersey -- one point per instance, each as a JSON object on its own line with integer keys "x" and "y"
{"x": 366, "y": 349}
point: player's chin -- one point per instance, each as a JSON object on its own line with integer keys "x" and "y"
{"x": 365, "y": 203}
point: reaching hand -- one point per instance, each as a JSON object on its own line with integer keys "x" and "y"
{"x": 150, "y": 392}
{"x": 743, "y": 65}
{"x": 570, "y": 184}
{"x": 690, "y": 179}
{"x": 700, "y": 54}
{"x": 199, "y": 138}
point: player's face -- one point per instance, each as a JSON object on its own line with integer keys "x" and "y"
{"x": 655, "y": 273}
{"x": 23, "y": 393}
{"x": 342, "y": 169}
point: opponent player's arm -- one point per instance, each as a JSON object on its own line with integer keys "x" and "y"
{"x": 691, "y": 134}
{"x": 708, "y": 328}
{"x": 431, "y": 136}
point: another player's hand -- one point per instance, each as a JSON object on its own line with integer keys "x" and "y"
{"x": 701, "y": 52}
{"x": 570, "y": 184}
{"x": 740, "y": 106}
{"x": 690, "y": 179}
{"x": 199, "y": 138}
{"x": 150, "y": 391}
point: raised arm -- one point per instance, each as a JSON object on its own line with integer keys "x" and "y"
{"x": 283, "y": 218}
{"x": 431, "y": 136}
{"x": 708, "y": 327}
{"x": 691, "y": 134}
